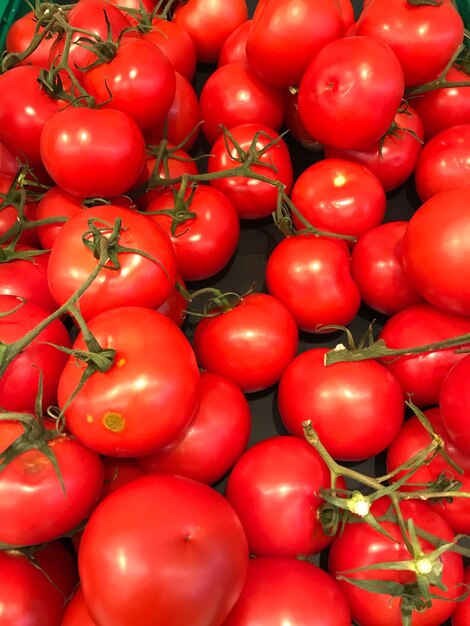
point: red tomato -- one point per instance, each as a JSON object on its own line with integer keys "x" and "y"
{"x": 140, "y": 281}
{"x": 436, "y": 247}
{"x": 235, "y": 95}
{"x": 360, "y": 545}
{"x": 75, "y": 151}
{"x": 279, "y": 590}
{"x": 454, "y": 400}
{"x": 259, "y": 9}
{"x": 117, "y": 473}
{"x": 311, "y": 276}
{"x": 339, "y": 196}
{"x": 421, "y": 375}
{"x": 356, "y": 408}
{"x": 377, "y": 269}
{"x": 76, "y": 613}
{"x": 274, "y": 489}
{"x": 55, "y": 203}
{"x": 19, "y": 37}
{"x": 184, "y": 551}
{"x": 137, "y": 5}
{"x": 293, "y": 122}
{"x": 344, "y": 73}
{"x": 253, "y": 199}
{"x": 209, "y": 23}
{"x": 423, "y": 37}
{"x": 216, "y": 438}
{"x": 234, "y": 48}
{"x": 8, "y": 162}
{"x": 347, "y": 11}
{"x": 461, "y": 615}
{"x": 9, "y": 214}
{"x": 175, "y": 305}
{"x": 444, "y": 162}
{"x": 175, "y": 42}
{"x": 238, "y": 343}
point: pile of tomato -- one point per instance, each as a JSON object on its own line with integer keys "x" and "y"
{"x": 177, "y": 454}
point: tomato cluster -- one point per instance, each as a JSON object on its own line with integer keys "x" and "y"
{"x": 179, "y": 443}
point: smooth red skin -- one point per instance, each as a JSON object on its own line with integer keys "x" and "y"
{"x": 444, "y": 162}
{"x": 360, "y": 545}
{"x": 461, "y": 615}
{"x": 8, "y": 162}
{"x": 422, "y": 374}
{"x": 234, "y": 48}
{"x": 454, "y": 400}
{"x": 81, "y": 154}
{"x": 141, "y": 80}
{"x": 412, "y": 439}
{"x": 206, "y": 243}
{"x": 287, "y": 36}
{"x": 175, "y": 306}
{"x": 139, "y": 282}
{"x": 347, "y": 11}
{"x": 19, "y": 383}
{"x": 259, "y": 9}
{"x": 76, "y": 612}
{"x": 176, "y": 44}
{"x": 274, "y": 489}
{"x": 436, "y": 247}
{"x": 24, "y": 110}
{"x": 148, "y": 5}
{"x": 424, "y": 38}
{"x": 19, "y": 37}
{"x": 9, "y": 214}
{"x": 216, "y": 438}
{"x": 184, "y": 548}
{"x": 377, "y": 269}
{"x": 153, "y": 384}
{"x": 356, "y": 408}
{"x": 117, "y": 473}
{"x": 235, "y": 95}
{"x": 443, "y": 108}
{"x": 311, "y": 276}
{"x": 289, "y": 590}
{"x": 252, "y": 199}
{"x": 238, "y": 344}
{"x": 394, "y": 161}
{"x": 55, "y": 203}
{"x": 26, "y": 594}
{"x": 344, "y": 73}
{"x": 293, "y": 122}
{"x": 30, "y": 484}
{"x": 339, "y": 196}
{"x": 181, "y": 123}
{"x": 209, "y": 24}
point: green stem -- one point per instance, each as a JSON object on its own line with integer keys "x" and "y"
{"x": 440, "y": 82}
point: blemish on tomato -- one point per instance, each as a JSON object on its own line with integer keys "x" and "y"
{"x": 90, "y": 419}
{"x": 120, "y": 362}
{"x": 114, "y": 422}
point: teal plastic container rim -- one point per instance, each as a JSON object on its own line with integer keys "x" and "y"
{"x": 10, "y": 11}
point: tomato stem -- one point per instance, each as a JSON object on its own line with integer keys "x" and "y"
{"x": 440, "y": 82}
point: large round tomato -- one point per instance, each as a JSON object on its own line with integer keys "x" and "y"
{"x": 19, "y": 37}
{"x": 173, "y": 547}
{"x": 175, "y": 43}
{"x": 454, "y": 400}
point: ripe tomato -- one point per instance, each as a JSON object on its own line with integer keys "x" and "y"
{"x": 461, "y": 615}
{"x": 345, "y": 72}
{"x": 356, "y": 408}
{"x": 175, "y": 305}
{"x": 19, "y": 37}
{"x": 176, "y": 44}
{"x": 76, "y": 612}
{"x": 184, "y": 550}
{"x": 8, "y": 162}
{"x": 293, "y": 122}
{"x": 9, "y": 216}
{"x": 238, "y": 343}
{"x": 117, "y": 473}
{"x": 147, "y": 398}
{"x": 454, "y": 400}
{"x": 234, "y": 48}
{"x": 311, "y": 276}
{"x": 55, "y": 203}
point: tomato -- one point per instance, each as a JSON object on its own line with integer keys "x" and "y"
{"x": 75, "y": 148}
{"x": 139, "y": 281}
{"x": 393, "y": 158}
{"x": 435, "y": 250}
{"x": 454, "y": 400}
{"x": 444, "y": 162}
{"x": 293, "y": 122}
{"x": 209, "y": 23}
{"x": 235, "y": 95}
{"x": 423, "y": 37}
{"x": 311, "y": 276}
{"x": 377, "y": 269}
{"x": 357, "y": 408}
{"x": 238, "y": 343}
{"x": 347, "y": 11}
{"x": 137, "y": 5}
{"x": 175, "y": 305}
{"x": 339, "y": 196}
{"x": 461, "y": 615}
{"x": 9, "y": 214}
{"x": 412, "y": 439}
{"x": 261, "y": 5}
{"x": 281, "y": 590}
{"x": 253, "y": 199}
{"x": 19, "y": 37}
{"x": 216, "y": 438}
{"x": 421, "y": 375}
{"x": 117, "y": 473}
{"x": 234, "y": 48}
{"x": 184, "y": 551}
{"x": 76, "y": 613}
{"x": 345, "y": 72}
{"x": 360, "y": 545}
{"x": 55, "y": 203}
{"x": 177, "y": 45}
{"x": 8, "y": 162}
{"x": 205, "y": 243}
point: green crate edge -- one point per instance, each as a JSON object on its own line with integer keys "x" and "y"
{"x": 11, "y": 12}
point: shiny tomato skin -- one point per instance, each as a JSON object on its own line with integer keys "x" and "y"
{"x": 421, "y": 375}
{"x": 311, "y": 276}
{"x": 235, "y": 95}
{"x": 175, "y": 306}
{"x": 345, "y": 72}
{"x": 238, "y": 343}
{"x": 436, "y": 247}
{"x": 356, "y": 408}
{"x": 454, "y": 400}
{"x": 185, "y": 552}
{"x": 71, "y": 262}
{"x": 377, "y": 269}
{"x": 286, "y": 589}
{"x": 55, "y": 203}
{"x": 234, "y": 48}
{"x": 347, "y": 12}
{"x": 216, "y": 438}
{"x": 293, "y": 122}
{"x": 444, "y": 162}
{"x": 8, "y": 162}
{"x": 117, "y": 473}
{"x": 147, "y": 398}
{"x": 19, "y": 37}
{"x": 461, "y": 615}
{"x": 176, "y": 44}
{"x": 76, "y": 612}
